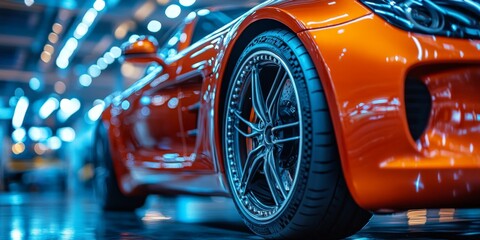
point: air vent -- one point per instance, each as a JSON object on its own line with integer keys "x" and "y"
{"x": 418, "y": 104}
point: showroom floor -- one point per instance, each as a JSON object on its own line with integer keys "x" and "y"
{"x": 75, "y": 216}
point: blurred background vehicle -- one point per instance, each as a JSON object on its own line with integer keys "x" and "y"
{"x": 58, "y": 63}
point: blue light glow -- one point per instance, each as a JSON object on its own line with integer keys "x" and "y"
{"x": 89, "y": 17}
{"x": 116, "y": 52}
{"x": 154, "y": 26}
{"x": 95, "y": 112}
{"x": 48, "y": 107}
{"x": 173, "y": 11}
{"x": 54, "y": 143}
{"x": 94, "y": 71}
{"x": 20, "y": 111}
{"x": 63, "y": 59}
{"x": 34, "y": 83}
{"x": 99, "y": 5}
{"x": 39, "y": 133}
{"x": 85, "y": 80}
{"x": 19, "y": 135}
{"x": 68, "y": 107}
{"x": 66, "y": 134}
{"x": 187, "y": 3}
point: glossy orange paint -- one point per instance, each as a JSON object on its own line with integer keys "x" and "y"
{"x": 363, "y": 63}
{"x": 384, "y": 167}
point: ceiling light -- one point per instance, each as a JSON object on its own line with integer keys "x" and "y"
{"x": 19, "y": 135}
{"x": 94, "y": 71}
{"x": 19, "y": 92}
{"x": 48, "y": 48}
{"x": 57, "y": 28}
{"x": 53, "y": 37}
{"x": 154, "y": 26}
{"x": 20, "y": 111}
{"x": 101, "y": 63}
{"x": 18, "y": 148}
{"x": 40, "y": 148}
{"x": 60, "y": 87}
{"x": 70, "y": 106}
{"x": 89, "y": 16}
{"x": 48, "y": 107}
{"x": 46, "y": 57}
{"x": 187, "y": 3}
{"x": 95, "y": 112}
{"x": 144, "y": 11}
{"x": 108, "y": 58}
{"x": 173, "y": 11}
{"x": 39, "y": 133}
{"x": 54, "y": 143}
{"x": 85, "y": 80}
{"x": 66, "y": 134}
{"x": 29, "y": 2}
{"x": 67, "y": 108}
{"x": 123, "y": 29}
{"x": 99, "y": 5}
{"x": 81, "y": 30}
{"x": 63, "y": 59}
{"x": 34, "y": 83}
{"x": 162, "y": 2}
{"x": 116, "y": 52}
{"x": 62, "y": 63}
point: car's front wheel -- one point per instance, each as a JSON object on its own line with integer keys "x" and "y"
{"x": 279, "y": 147}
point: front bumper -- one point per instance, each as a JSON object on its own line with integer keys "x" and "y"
{"x": 363, "y": 65}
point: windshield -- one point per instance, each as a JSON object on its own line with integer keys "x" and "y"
{"x": 207, "y": 22}
{"x": 212, "y": 21}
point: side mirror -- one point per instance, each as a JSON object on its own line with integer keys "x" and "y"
{"x": 143, "y": 50}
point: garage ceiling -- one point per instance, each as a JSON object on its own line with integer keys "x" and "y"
{"x": 32, "y": 27}
{"x": 25, "y": 30}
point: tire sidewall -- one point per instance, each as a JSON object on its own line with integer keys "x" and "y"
{"x": 271, "y": 43}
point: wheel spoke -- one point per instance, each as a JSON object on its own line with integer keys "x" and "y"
{"x": 251, "y": 125}
{"x": 258, "y": 101}
{"x": 283, "y": 140}
{"x": 274, "y": 93}
{"x": 247, "y": 135}
{"x": 273, "y": 179}
{"x": 252, "y": 163}
{"x": 283, "y": 126}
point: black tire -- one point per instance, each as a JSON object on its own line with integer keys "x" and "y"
{"x": 107, "y": 192}
{"x": 307, "y": 196}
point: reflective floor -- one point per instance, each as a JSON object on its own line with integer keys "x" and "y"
{"x": 75, "y": 216}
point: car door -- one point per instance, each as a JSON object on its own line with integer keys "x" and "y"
{"x": 196, "y": 67}
{"x": 151, "y": 118}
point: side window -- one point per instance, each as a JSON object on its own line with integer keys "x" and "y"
{"x": 203, "y": 27}
{"x": 211, "y": 21}
{"x": 170, "y": 48}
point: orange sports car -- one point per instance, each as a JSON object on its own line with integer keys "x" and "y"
{"x": 310, "y": 114}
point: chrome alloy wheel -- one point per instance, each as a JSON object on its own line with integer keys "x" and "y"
{"x": 263, "y": 136}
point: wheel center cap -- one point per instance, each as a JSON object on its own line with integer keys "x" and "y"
{"x": 267, "y": 135}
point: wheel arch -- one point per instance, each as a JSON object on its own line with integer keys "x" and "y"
{"x": 258, "y": 22}
{"x": 246, "y": 36}
{"x": 243, "y": 40}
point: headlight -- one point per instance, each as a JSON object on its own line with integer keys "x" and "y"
{"x": 452, "y": 18}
